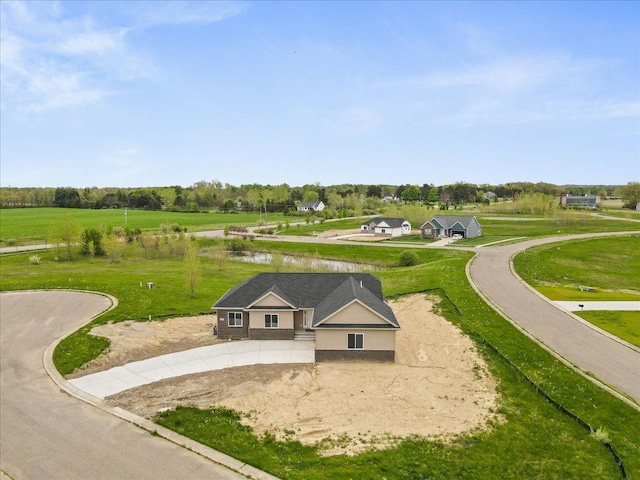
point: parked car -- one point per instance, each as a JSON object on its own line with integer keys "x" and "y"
{"x": 456, "y": 236}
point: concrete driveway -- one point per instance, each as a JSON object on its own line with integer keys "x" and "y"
{"x": 197, "y": 360}
{"x": 615, "y": 363}
{"x": 46, "y": 433}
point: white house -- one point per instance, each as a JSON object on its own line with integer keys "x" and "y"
{"x": 311, "y": 206}
{"x": 390, "y": 227}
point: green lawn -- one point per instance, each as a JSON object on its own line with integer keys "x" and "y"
{"x": 611, "y": 265}
{"x": 623, "y": 324}
{"x": 22, "y": 226}
{"x": 533, "y": 440}
{"x": 566, "y": 225}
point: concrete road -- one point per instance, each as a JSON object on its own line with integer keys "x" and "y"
{"x": 45, "y": 433}
{"x": 613, "y": 362}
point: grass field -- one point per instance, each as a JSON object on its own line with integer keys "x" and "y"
{"x": 21, "y": 226}
{"x": 534, "y": 441}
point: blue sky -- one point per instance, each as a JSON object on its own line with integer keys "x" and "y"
{"x": 170, "y": 93}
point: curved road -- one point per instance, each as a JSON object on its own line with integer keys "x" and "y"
{"x": 46, "y": 433}
{"x": 614, "y": 363}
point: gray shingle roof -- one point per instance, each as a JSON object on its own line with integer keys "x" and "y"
{"x": 392, "y": 222}
{"x": 447, "y": 221}
{"x": 326, "y": 293}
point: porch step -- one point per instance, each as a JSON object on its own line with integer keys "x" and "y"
{"x": 305, "y": 336}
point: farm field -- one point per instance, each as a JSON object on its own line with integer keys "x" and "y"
{"x": 22, "y": 226}
{"x": 544, "y": 442}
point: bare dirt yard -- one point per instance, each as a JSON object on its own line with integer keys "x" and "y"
{"x": 439, "y": 386}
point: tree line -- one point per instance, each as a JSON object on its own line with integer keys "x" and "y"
{"x": 214, "y": 195}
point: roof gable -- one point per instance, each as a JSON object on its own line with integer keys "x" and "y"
{"x": 345, "y": 294}
{"x": 390, "y": 222}
{"x": 448, "y": 221}
{"x": 273, "y": 293}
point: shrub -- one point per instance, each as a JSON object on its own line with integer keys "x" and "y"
{"x": 408, "y": 259}
{"x": 35, "y": 259}
{"x": 92, "y": 242}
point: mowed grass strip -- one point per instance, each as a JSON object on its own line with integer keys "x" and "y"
{"x": 534, "y": 441}
{"x": 610, "y": 265}
{"x": 623, "y": 324}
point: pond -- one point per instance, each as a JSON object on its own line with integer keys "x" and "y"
{"x": 306, "y": 263}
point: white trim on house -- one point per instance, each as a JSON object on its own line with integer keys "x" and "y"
{"x": 235, "y": 319}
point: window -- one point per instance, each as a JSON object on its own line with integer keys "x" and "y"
{"x": 271, "y": 320}
{"x": 355, "y": 341}
{"x": 235, "y": 319}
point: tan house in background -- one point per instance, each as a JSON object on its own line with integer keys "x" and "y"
{"x": 344, "y": 313}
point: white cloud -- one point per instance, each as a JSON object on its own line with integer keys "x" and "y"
{"x": 551, "y": 88}
{"x": 54, "y": 59}
{"x": 185, "y": 13}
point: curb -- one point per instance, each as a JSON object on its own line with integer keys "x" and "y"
{"x": 180, "y": 440}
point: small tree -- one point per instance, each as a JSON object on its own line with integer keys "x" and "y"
{"x": 219, "y": 255}
{"x": 64, "y": 234}
{"x": 92, "y": 245}
{"x": 277, "y": 261}
{"x": 192, "y": 264}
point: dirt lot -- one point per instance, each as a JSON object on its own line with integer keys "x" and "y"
{"x": 438, "y": 387}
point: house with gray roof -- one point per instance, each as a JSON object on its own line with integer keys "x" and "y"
{"x": 449, "y": 225}
{"x": 387, "y": 227}
{"x": 344, "y": 313}
{"x": 311, "y": 206}
{"x": 578, "y": 201}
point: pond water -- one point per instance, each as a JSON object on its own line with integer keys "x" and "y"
{"x": 305, "y": 262}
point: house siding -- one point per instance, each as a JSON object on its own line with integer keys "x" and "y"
{"x": 355, "y": 313}
{"x": 374, "y": 340}
{"x": 355, "y": 355}
{"x": 235, "y": 333}
{"x": 271, "y": 334}
{"x": 474, "y": 230}
{"x": 285, "y": 319}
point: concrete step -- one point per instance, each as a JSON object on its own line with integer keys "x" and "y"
{"x": 305, "y": 336}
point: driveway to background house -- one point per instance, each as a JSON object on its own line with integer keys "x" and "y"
{"x": 46, "y": 433}
{"x": 613, "y": 362}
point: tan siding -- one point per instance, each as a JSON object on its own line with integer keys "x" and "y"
{"x": 373, "y": 340}
{"x": 355, "y": 313}
{"x": 284, "y": 321}
{"x": 271, "y": 300}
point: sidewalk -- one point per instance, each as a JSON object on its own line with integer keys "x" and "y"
{"x": 576, "y": 306}
{"x": 197, "y": 360}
